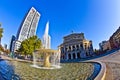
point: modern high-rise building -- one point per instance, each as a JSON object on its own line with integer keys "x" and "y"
{"x": 5, "y": 46}
{"x": 46, "y": 38}
{"x": 13, "y": 38}
{"x": 28, "y": 27}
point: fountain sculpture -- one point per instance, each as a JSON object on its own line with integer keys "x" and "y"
{"x": 50, "y": 58}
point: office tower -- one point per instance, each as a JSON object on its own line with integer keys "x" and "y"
{"x": 28, "y": 27}
{"x": 46, "y": 38}
{"x": 11, "y": 43}
{"x": 5, "y": 46}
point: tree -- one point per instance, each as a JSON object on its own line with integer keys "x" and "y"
{"x": 7, "y": 51}
{"x": 1, "y": 31}
{"x": 1, "y": 48}
{"x": 29, "y": 45}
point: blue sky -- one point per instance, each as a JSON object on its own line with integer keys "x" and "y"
{"x": 97, "y": 19}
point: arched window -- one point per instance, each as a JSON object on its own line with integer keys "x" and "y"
{"x": 87, "y": 54}
{"x": 78, "y": 55}
{"x": 85, "y": 45}
{"x": 69, "y": 48}
{"x": 73, "y": 48}
{"x": 62, "y": 49}
{"x": 81, "y": 45}
{"x": 77, "y": 46}
{"x": 69, "y": 56}
{"x": 66, "y": 49}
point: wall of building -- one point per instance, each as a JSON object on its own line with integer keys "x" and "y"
{"x": 75, "y": 46}
{"x": 28, "y": 27}
{"x": 115, "y": 39}
{"x": 105, "y": 45}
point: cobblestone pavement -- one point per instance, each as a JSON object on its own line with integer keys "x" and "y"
{"x": 112, "y": 62}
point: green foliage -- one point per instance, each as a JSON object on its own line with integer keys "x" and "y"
{"x": 29, "y": 45}
{"x": 1, "y": 48}
{"x": 7, "y": 51}
{"x": 1, "y": 31}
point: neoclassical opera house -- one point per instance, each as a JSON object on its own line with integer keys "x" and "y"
{"x": 75, "y": 46}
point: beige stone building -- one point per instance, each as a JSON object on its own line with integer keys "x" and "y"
{"x": 75, "y": 46}
{"x": 105, "y": 45}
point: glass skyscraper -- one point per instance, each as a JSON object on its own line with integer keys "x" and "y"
{"x": 46, "y": 38}
{"x": 28, "y": 27}
{"x": 13, "y": 38}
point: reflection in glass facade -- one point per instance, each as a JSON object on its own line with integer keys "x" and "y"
{"x": 28, "y": 27}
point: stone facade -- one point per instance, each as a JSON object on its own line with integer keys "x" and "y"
{"x": 105, "y": 45}
{"x": 75, "y": 46}
{"x": 115, "y": 39}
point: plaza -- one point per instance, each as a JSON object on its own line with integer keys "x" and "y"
{"x": 109, "y": 70}
{"x": 60, "y": 40}
{"x": 68, "y": 71}
{"x": 112, "y": 65}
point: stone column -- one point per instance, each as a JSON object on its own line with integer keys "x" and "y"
{"x": 71, "y": 48}
{"x": 67, "y": 56}
{"x": 76, "y": 55}
{"x": 67, "y": 48}
{"x": 64, "y": 49}
{"x": 71, "y": 55}
{"x": 79, "y": 46}
{"x": 75, "y": 48}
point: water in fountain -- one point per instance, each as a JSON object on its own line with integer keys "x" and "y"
{"x": 54, "y": 58}
{"x": 54, "y": 61}
{"x": 34, "y": 61}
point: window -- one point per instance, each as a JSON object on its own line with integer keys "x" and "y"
{"x": 78, "y": 55}
{"x": 73, "y": 48}
{"x": 69, "y": 56}
{"x": 77, "y": 47}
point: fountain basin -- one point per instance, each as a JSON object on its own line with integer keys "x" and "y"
{"x": 68, "y": 71}
{"x": 7, "y": 71}
{"x": 41, "y": 67}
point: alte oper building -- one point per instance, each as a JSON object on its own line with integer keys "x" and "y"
{"x": 75, "y": 46}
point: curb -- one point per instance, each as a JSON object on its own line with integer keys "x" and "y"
{"x": 102, "y": 73}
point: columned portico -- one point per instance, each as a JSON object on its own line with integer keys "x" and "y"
{"x": 75, "y": 46}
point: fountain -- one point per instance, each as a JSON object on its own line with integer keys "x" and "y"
{"x": 51, "y": 58}
{"x": 55, "y": 61}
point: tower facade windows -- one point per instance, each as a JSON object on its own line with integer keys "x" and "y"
{"x": 28, "y": 27}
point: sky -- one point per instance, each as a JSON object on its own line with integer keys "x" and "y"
{"x": 97, "y": 19}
